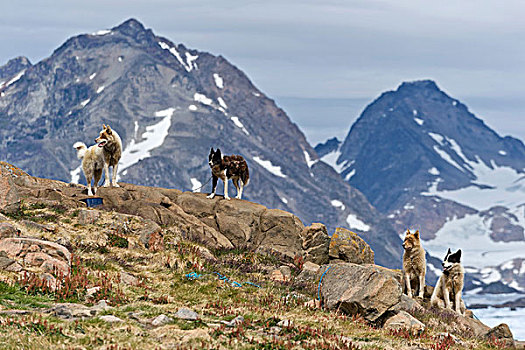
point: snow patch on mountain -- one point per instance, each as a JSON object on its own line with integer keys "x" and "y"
{"x": 100, "y": 89}
{"x": 331, "y": 159}
{"x": 189, "y": 65}
{"x": 202, "y": 99}
{"x": 240, "y": 125}
{"x": 266, "y": 164}
{"x": 196, "y": 185}
{"x": 222, "y": 103}
{"x": 102, "y": 32}
{"x": 419, "y": 121}
{"x": 153, "y": 138}
{"x": 472, "y": 234}
{"x": 75, "y": 174}
{"x": 338, "y": 204}
{"x": 309, "y": 160}
{"x": 355, "y": 223}
{"x": 219, "y": 82}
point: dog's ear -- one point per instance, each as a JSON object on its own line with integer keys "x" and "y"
{"x": 417, "y": 234}
{"x": 456, "y": 257}
{"x": 212, "y": 150}
{"x": 448, "y": 253}
{"x": 408, "y": 232}
{"x": 218, "y": 152}
{"x": 104, "y": 126}
{"x": 108, "y": 129}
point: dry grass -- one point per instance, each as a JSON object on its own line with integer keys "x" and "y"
{"x": 163, "y": 288}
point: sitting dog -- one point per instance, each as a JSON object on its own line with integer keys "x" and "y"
{"x": 92, "y": 163}
{"x": 450, "y": 284}
{"x": 111, "y": 144}
{"x": 414, "y": 264}
{"x": 226, "y": 168}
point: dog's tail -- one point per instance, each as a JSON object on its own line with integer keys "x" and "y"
{"x": 81, "y": 149}
{"x": 245, "y": 176}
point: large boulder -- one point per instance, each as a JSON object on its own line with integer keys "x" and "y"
{"x": 502, "y": 334}
{"x": 316, "y": 243}
{"x": 51, "y": 257}
{"x": 368, "y": 290}
{"x": 9, "y": 197}
{"x": 347, "y": 246}
{"x": 280, "y": 232}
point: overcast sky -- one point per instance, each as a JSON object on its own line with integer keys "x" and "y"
{"x": 315, "y": 51}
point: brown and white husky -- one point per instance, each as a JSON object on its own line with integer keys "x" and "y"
{"x": 226, "y": 168}
{"x": 111, "y": 144}
{"x": 414, "y": 264}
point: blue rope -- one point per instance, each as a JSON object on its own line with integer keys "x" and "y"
{"x": 194, "y": 276}
{"x": 321, "y": 280}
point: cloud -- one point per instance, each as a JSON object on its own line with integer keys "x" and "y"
{"x": 309, "y": 48}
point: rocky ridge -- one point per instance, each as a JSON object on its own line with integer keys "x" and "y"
{"x": 189, "y": 271}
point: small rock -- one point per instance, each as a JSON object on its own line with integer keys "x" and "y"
{"x": 14, "y": 267}
{"x": 72, "y": 311}
{"x": 187, "y": 314}
{"x": 7, "y": 230}
{"x": 275, "y": 330}
{"x": 403, "y": 320}
{"x": 88, "y": 216}
{"x": 161, "y": 320}
{"x": 40, "y": 227}
{"x": 313, "y": 304}
{"x": 128, "y": 279}
{"x": 50, "y": 280}
{"x": 235, "y": 322}
{"x": 90, "y": 292}
{"x": 284, "y": 323}
{"x": 102, "y": 305}
{"x": 286, "y": 271}
{"x": 110, "y": 319}
{"x": 309, "y": 272}
{"x": 277, "y": 275}
{"x": 5, "y": 261}
{"x": 444, "y": 335}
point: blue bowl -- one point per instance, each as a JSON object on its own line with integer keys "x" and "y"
{"x": 93, "y": 201}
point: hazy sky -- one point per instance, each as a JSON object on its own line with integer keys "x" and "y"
{"x": 318, "y": 50}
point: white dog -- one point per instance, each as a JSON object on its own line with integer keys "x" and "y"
{"x": 92, "y": 163}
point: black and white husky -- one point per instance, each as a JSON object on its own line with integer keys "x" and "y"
{"x": 450, "y": 284}
{"x": 226, "y": 168}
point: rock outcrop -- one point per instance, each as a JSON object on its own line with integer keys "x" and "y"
{"x": 347, "y": 246}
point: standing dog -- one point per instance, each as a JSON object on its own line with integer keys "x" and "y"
{"x": 450, "y": 284}
{"x": 92, "y": 163}
{"x": 226, "y": 168}
{"x": 414, "y": 264}
{"x": 111, "y": 144}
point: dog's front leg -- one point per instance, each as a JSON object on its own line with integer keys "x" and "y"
{"x": 213, "y": 187}
{"x": 421, "y": 286}
{"x": 226, "y": 196}
{"x": 239, "y": 190}
{"x": 114, "y": 177}
{"x": 409, "y": 288}
{"x": 458, "y": 302}
{"x": 446, "y": 296}
{"x": 106, "y": 170}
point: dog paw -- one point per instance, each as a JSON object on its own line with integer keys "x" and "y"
{"x": 227, "y": 198}
{"x": 210, "y": 196}
{"x": 106, "y": 184}
{"x": 116, "y": 185}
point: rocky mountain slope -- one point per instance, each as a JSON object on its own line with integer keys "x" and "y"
{"x": 421, "y": 157}
{"x": 170, "y": 104}
{"x": 160, "y": 268}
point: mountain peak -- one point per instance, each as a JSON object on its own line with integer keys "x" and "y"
{"x": 419, "y": 84}
{"x": 130, "y": 27}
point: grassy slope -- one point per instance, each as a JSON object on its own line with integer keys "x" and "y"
{"x": 163, "y": 288}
